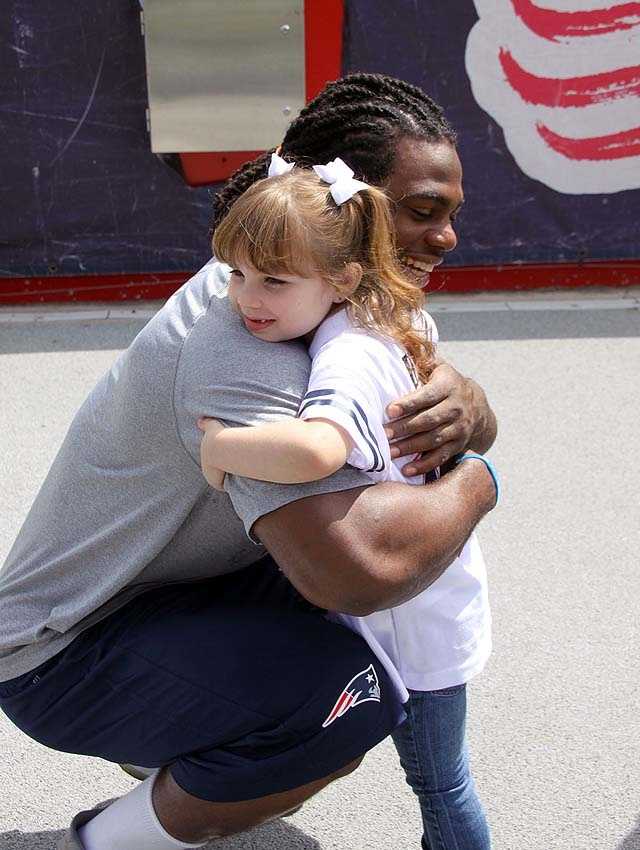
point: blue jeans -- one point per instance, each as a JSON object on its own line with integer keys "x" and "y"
{"x": 433, "y": 752}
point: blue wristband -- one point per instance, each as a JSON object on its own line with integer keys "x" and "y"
{"x": 492, "y": 472}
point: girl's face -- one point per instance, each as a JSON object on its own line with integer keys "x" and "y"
{"x": 277, "y": 308}
{"x": 426, "y": 187}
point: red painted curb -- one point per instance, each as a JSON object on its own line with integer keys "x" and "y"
{"x": 132, "y": 287}
{"x": 537, "y": 276}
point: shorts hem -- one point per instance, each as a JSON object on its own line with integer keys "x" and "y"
{"x": 230, "y": 792}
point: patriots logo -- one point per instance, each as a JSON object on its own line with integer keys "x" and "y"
{"x": 364, "y": 687}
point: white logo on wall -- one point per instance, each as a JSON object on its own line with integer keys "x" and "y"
{"x": 563, "y": 81}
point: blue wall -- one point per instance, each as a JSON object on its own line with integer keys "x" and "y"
{"x": 82, "y": 193}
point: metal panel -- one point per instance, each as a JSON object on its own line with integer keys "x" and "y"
{"x": 223, "y": 75}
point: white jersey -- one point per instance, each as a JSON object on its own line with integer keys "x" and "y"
{"x": 442, "y": 637}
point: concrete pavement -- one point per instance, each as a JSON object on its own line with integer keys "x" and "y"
{"x": 553, "y": 722}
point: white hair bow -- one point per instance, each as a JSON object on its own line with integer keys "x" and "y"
{"x": 279, "y": 166}
{"x": 338, "y": 174}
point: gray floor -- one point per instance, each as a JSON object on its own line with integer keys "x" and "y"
{"x": 554, "y": 719}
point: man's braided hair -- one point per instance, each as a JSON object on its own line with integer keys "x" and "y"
{"x": 359, "y": 118}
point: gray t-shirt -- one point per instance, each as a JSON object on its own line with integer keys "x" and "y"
{"x": 125, "y": 506}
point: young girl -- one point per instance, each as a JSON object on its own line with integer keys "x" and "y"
{"x": 300, "y": 258}
{"x": 312, "y": 259}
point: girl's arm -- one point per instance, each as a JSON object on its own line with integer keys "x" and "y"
{"x": 288, "y": 452}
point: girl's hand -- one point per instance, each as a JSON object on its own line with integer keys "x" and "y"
{"x": 446, "y": 416}
{"x": 215, "y": 477}
{"x": 209, "y": 425}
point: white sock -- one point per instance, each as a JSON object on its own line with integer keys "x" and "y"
{"x": 130, "y": 822}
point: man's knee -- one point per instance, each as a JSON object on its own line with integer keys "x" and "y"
{"x": 191, "y": 819}
{"x": 233, "y": 818}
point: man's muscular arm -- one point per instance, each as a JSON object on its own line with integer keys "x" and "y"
{"x": 371, "y": 548}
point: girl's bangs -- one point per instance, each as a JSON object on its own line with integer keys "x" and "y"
{"x": 270, "y": 236}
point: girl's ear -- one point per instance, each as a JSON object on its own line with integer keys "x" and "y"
{"x": 351, "y": 278}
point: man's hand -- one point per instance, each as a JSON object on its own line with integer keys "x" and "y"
{"x": 446, "y": 416}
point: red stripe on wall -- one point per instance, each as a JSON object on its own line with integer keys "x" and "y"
{"x": 323, "y": 21}
{"x": 555, "y": 25}
{"x": 570, "y": 91}
{"x": 127, "y": 288}
{"x": 613, "y": 146}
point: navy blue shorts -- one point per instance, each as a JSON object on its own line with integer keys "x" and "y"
{"x": 237, "y": 683}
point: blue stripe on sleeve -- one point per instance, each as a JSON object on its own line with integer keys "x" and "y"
{"x": 352, "y": 409}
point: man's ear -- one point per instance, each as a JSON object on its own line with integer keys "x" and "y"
{"x": 351, "y": 278}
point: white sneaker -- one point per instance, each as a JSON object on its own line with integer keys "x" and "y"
{"x": 70, "y": 840}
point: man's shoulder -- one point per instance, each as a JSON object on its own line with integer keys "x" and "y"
{"x": 224, "y": 371}
{"x": 196, "y": 293}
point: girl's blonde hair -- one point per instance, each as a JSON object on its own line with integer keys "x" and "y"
{"x": 291, "y": 225}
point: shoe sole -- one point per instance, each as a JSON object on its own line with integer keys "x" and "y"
{"x": 138, "y": 772}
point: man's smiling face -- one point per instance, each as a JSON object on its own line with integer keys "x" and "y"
{"x": 426, "y": 190}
